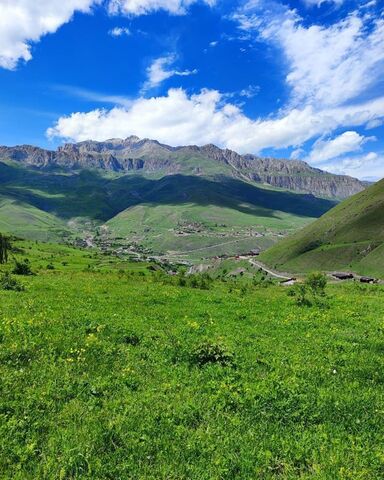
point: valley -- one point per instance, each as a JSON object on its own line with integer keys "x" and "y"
{"x": 184, "y": 201}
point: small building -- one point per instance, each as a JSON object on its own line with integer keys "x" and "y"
{"x": 254, "y": 252}
{"x": 342, "y": 275}
{"x": 368, "y": 280}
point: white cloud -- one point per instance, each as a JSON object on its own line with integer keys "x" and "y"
{"x": 366, "y": 167}
{"x": 297, "y": 154}
{"x": 92, "y": 96}
{"x": 327, "y": 65}
{"x": 119, "y": 31}
{"x": 347, "y": 142}
{"x": 206, "y": 118}
{"x": 23, "y": 22}
{"x": 250, "y": 91}
{"x": 160, "y": 69}
{"x": 377, "y": 122}
{"x": 318, "y": 3}
{"x": 143, "y": 7}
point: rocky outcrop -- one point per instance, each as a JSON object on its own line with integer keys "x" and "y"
{"x": 135, "y": 154}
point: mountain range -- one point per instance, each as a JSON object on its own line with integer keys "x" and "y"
{"x": 187, "y": 200}
{"x": 145, "y": 155}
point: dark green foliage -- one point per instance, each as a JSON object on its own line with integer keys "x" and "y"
{"x": 50, "y": 266}
{"x": 22, "y": 267}
{"x": 212, "y": 352}
{"x": 201, "y": 281}
{"x": 131, "y": 339}
{"x": 7, "y": 282}
{"x": 5, "y": 246}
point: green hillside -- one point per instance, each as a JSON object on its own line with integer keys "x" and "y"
{"x": 350, "y": 236}
{"x": 179, "y": 213}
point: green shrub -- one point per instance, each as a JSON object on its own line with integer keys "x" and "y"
{"x": 7, "y": 282}
{"x": 50, "y": 266}
{"x": 311, "y": 292}
{"x": 316, "y": 282}
{"x": 300, "y": 292}
{"x": 131, "y": 339}
{"x": 208, "y": 352}
{"x": 22, "y": 268}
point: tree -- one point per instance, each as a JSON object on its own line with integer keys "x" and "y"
{"x": 4, "y": 248}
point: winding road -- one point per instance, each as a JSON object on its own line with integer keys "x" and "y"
{"x": 273, "y": 274}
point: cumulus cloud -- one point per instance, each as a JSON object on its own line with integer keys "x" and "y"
{"x": 142, "y": 7}
{"x": 119, "y": 32}
{"x": 369, "y": 166}
{"x": 327, "y": 65}
{"x": 347, "y": 142}
{"x": 161, "y": 69}
{"x": 23, "y": 22}
{"x": 177, "y": 118}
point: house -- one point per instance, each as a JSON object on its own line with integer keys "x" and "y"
{"x": 342, "y": 275}
{"x": 368, "y": 280}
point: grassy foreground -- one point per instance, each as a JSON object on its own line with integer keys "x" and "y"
{"x": 109, "y": 374}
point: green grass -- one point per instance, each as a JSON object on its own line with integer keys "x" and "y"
{"x": 99, "y": 378}
{"x": 350, "y": 236}
{"x": 19, "y": 218}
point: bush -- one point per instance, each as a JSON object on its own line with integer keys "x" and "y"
{"x": 311, "y": 292}
{"x": 22, "y": 268}
{"x": 208, "y": 352}
{"x": 131, "y": 339}
{"x": 7, "y": 282}
{"x": 50, "y": 266}
{"x": 316, "y": 282}
{"x": 300, "y": 292}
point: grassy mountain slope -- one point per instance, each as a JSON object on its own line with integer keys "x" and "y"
{"x": 350, "y": 236}
{"x": 28, "y": 221}
{"x": 209, "y": 211}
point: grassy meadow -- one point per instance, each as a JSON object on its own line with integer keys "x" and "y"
{"x": 111, "y": 371}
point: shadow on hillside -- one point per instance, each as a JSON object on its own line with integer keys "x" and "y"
{"x": 92, "y": 194}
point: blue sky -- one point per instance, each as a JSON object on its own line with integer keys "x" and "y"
{"x": 294, "y": 79}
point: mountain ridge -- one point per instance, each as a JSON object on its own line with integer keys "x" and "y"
{"x": 146, "y": 155}
{"x": 350, "y": 236}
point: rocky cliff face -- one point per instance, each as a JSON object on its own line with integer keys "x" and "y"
{"x": 135, "y": 154}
